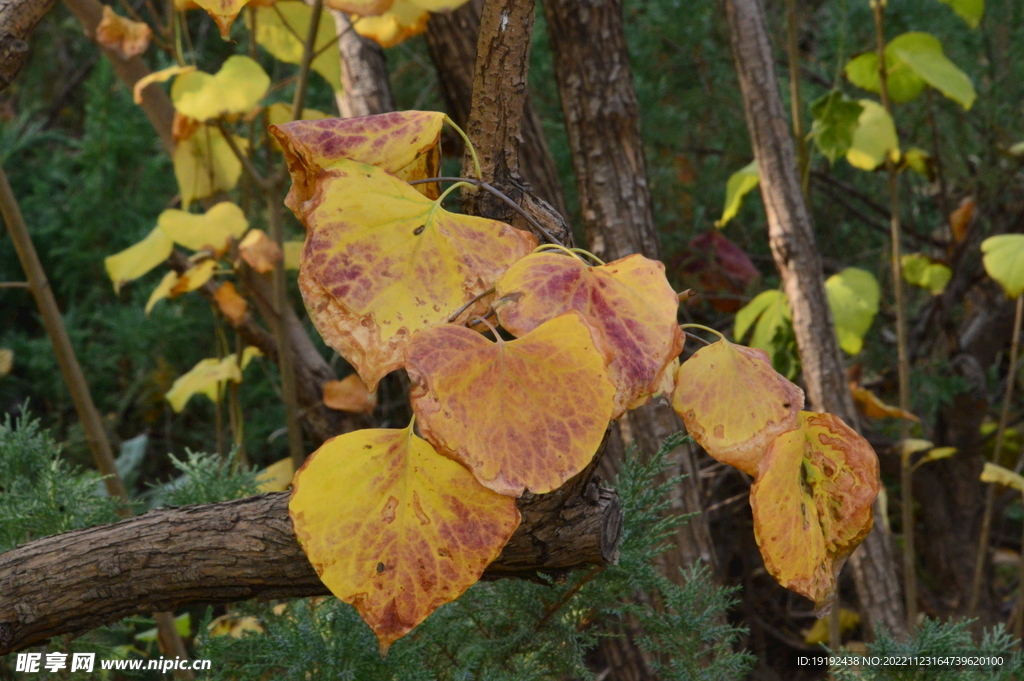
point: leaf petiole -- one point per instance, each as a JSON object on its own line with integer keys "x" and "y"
{"x": 469, "y": 145}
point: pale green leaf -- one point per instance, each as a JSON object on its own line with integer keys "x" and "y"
{"x": 920, "y": 270}
{"x": 853, "y": 296}
{"x": 770, "y": 310}
{"x": 835, "y": 121}
{"x": 1004, "y": 261}
{"x": 922, "y": 52}
{"x": 903, "y": 83}
{"x": 278, "y": 28}
{"x": 970, "y": 11}
{"x": 739, "y": 185}
{"x": 1002, "y": 476}
{"x": 875, "y": 137}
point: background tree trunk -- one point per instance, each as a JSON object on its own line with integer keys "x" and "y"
{"x": 791, "y": 236}
{"x": 452, "y": 40}
{"x": 366, "y": 87}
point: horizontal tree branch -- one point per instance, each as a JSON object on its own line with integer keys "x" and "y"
{"x": 237, "y": 550}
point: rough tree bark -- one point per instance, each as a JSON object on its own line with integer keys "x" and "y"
{"x": 219, "y": 553}
{"x": 791, "y": 237}
{"x": 452, "y": 39}
{"x": 601, "y": 112}
{"x": 18, "y": 18}
{"x": 366, "y": 89}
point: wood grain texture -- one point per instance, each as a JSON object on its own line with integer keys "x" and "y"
{"x": 237, "y": 550}
{"x": 18, "y": 18}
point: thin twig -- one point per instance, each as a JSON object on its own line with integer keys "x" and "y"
{"x": 261, "y": 181}
{"x": 455, "y": 315}
{"x": 299, "y": 103}
{"x": 567, "y": 596}
{"x": 512, "y": 204}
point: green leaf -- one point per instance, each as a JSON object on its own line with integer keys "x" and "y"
{"x": 912, "y": 61}
{"x": 920, "y": 270}
{"x": 739, "y": 184}
{"x": 875, "y": 137}
{"x": 904, "y": 84}
{"x": 835, "y": 121}
{"x": 1004, "y": 261}
{"x": 970, "y": 11}
{"x": 922, "y": 52}
{"x": 853, "y": 296}
{"x": 920, "y": 161}
{"x": 770, "y": 310}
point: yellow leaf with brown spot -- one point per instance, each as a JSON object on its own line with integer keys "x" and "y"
{"x": 526, "y": 414}
{"x": 235, "y": 89}
{"x": 349, "y": 394}
{"x": 394, "y": 528}
{"x": 204, "y": 164}
{"x": 874, "y": 407}
{"x": 233, "y": 306}
{"x": 161, "y": 76}
{"x": 174, "y": 285}
{"x": 629, "y": 302}
{"x": 282, "y": 28}
{"x": 125, "y": 37}
{"x": 382, "y": 261}
{"x": 137, "y": 260}
{"x": 223, "y": 12}
{"x": 734, "y": 403}
{"x": 260, "y": 251}
{"x": 404, "y": 20}
{"x": 211, "y": 231}
{"x": 812, "y": 503}
{"x": 404, "y": 143}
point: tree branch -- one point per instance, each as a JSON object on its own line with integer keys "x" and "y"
{"x": 236, "y": 550}
{"x": 18, "y": 18}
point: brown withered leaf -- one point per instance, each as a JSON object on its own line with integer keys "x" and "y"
{"x": 349, "y": 394}
{"x": 233, "y": 306}
{"x": 259, "y": 251}
{"x": 123, "y": 36}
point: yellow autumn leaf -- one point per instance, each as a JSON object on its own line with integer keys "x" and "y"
{"x": 629, "y": 302}
{"x": 259, "y": 251}
{"x": 292, "y": 254}
{"x": 817, "y": 634}
{"x": 410, "y": 532}
{"x": 812, "y": 503}
{"x": 208, "y": 376}
{"x": 920, "y": 270}
{"x": 137, "y": 260}
{"x": 204, "y": 164}
{"x": 223, "y": 12}
{"x": 404, "y": 143}
{"x": 6, "y": 361}
{"x": 382, "y": 261}
{"x": 1002, "y": 476}
{"x": 161, "y": 76}
{"x": 526, "y": 414}
{"x": 740, "y": 183}
{"x": 875, "y": 408}
{"x": 282, "y": 28}
{"x": 277, "y": 477}
{"x": 212, "y": 230}
{"x": 125, "y": 37}
{"x": 734, "y": 403}
{"x": 236, "y": 89}
{"x": 233, "y": 306}
{"x": 235, "y": 626}
{"x": 174, "y": 285}
{"x": 404, "y": 20}
{"x": 1004, "y": 261}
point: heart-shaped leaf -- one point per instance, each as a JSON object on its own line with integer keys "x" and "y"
{"x": 734, "y": 403}
{"x": 629, "y": 302}
{"x": 523, "y": 414}
{"x": 382, "y": 261}
{"x": 212, "y": 231}
{"x": 236, "y": 89}
{"x": 1004, "y": 261}
{"x": 281, "y": 29}
{"x": 812, "y": 503}
{"x": 394, "y": 528}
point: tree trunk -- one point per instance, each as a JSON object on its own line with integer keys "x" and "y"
{"x": 366, "y": 88}
{"x": 219, "y": 553}
{"x": 452, "y": 39}
{"x": 791, "y": 236}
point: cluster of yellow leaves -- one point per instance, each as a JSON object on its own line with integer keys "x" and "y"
{"x": 815, "y": 478}
{"x": 385, "y": 270}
